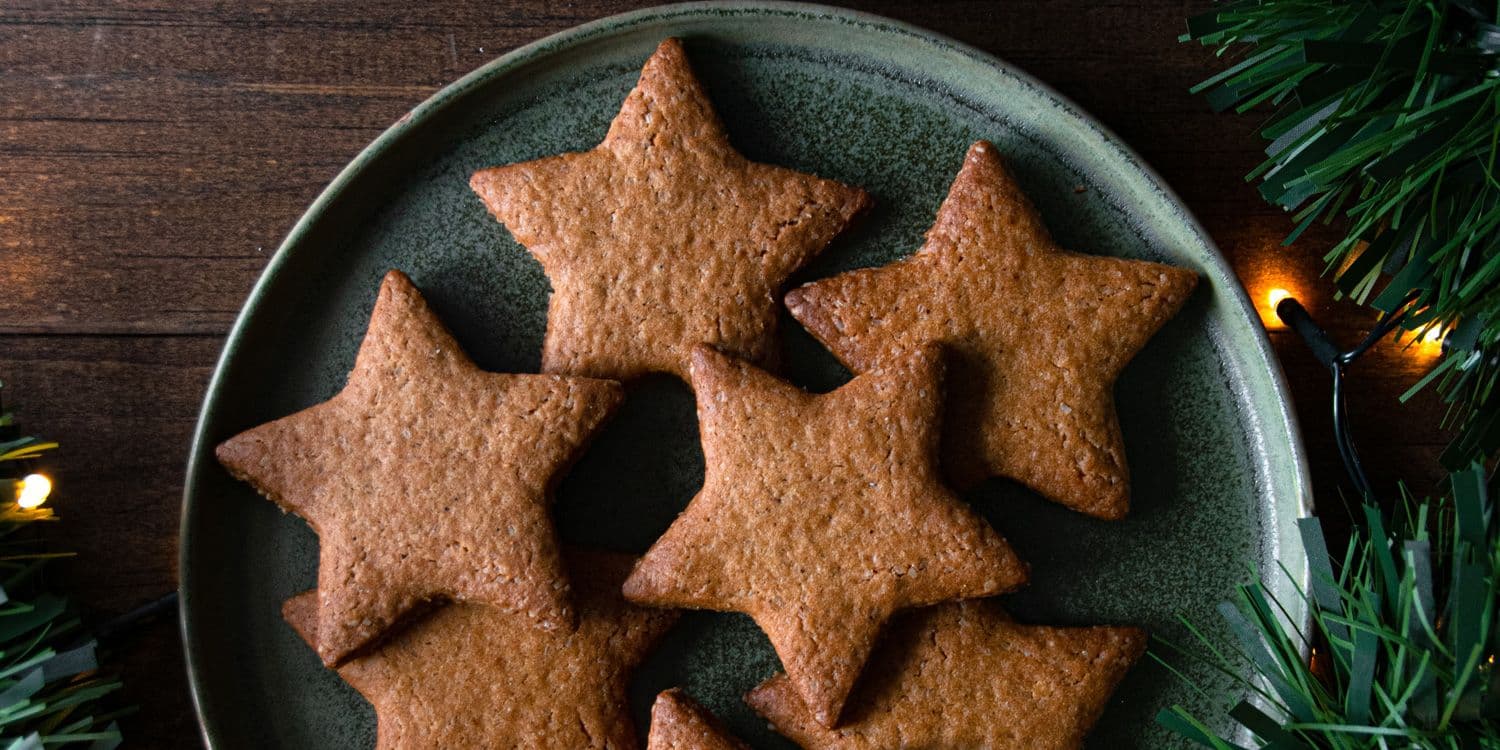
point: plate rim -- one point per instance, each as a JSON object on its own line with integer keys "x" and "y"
{"x": 1261, "y": 353}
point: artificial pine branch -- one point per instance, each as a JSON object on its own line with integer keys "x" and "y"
{"x": 51, "y": 690}
{"x": 1388, "y": 124}
{"x": 1404, "y": 634}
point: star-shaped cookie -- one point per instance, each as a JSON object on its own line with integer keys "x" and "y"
{"x": 1038, "y": 336}
{"x": 820, "y": 516}
{"x": 468, "y": 675}
{"x": 679, "y": 723}
{"x": 663, "y": 236}
{"x": 965, "y": 675}
{"x": 425, "y": 478}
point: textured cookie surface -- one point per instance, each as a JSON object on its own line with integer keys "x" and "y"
{"x": 663, "y": 236}
{"x": 425, "y": 478}
{"x": 966, "y": 676}
{"x": 820, "y": 516}
{"x": 679, "y": 723}
{"x": 468, "y": 675}
{"x": 1038, "y": 336}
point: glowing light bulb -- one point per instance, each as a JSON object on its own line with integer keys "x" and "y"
{"x": 1268, "y": 314}
{"x": 1275, "y": 296}
{"x": 1429, "y": 341}
{"x": 34, "y": 491}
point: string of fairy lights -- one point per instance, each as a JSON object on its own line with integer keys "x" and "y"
{"x": 1286, "y": 311}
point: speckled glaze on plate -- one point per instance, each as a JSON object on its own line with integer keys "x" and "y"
{"x": 1219, "y": 475}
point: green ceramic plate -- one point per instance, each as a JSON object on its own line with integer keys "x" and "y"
{"x": 1219, "y": 475}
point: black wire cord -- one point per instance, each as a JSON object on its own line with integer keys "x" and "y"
{"x": 112, "y": 630}
{"x": 1297, "y": 318}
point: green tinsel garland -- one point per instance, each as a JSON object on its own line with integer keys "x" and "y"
{"x": 1388, "y": 124}
{"x": 1406, "y": 623}
{"x": 50, "y": 689}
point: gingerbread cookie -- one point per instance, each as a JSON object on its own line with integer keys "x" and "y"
{"x": 663, "y": 236}
{"x": 425, "y": 478}
{"x": 820, "y": 516}
{"x": 679, "y": 723}
{"x": 1038, "y": 336}
{"x": 468, "y": 675}
{"x": 965, "y": 675}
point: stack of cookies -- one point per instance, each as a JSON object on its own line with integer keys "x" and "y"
{"x": 445, "y": 597}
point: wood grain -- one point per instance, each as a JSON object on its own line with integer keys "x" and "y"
{"x": 153, "y": 153}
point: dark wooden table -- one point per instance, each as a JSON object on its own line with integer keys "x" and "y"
{"x": 153, "y": 153}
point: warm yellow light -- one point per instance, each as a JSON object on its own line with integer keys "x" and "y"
{"x": 1429, "y": 341}
{"x": 34, "y": 491}
{"x": 1275, "y": 296}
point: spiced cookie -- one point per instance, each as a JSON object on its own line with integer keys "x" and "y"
{"x": 468, "y": 675}
{"x": 1038, "y": 336}
{"x": 679, "y": 723}
{"x": 425, "y": 478}
{"x": 965, "y": 675}
{"x": 663, "y": 236}
{"x": 820, "y": 516}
